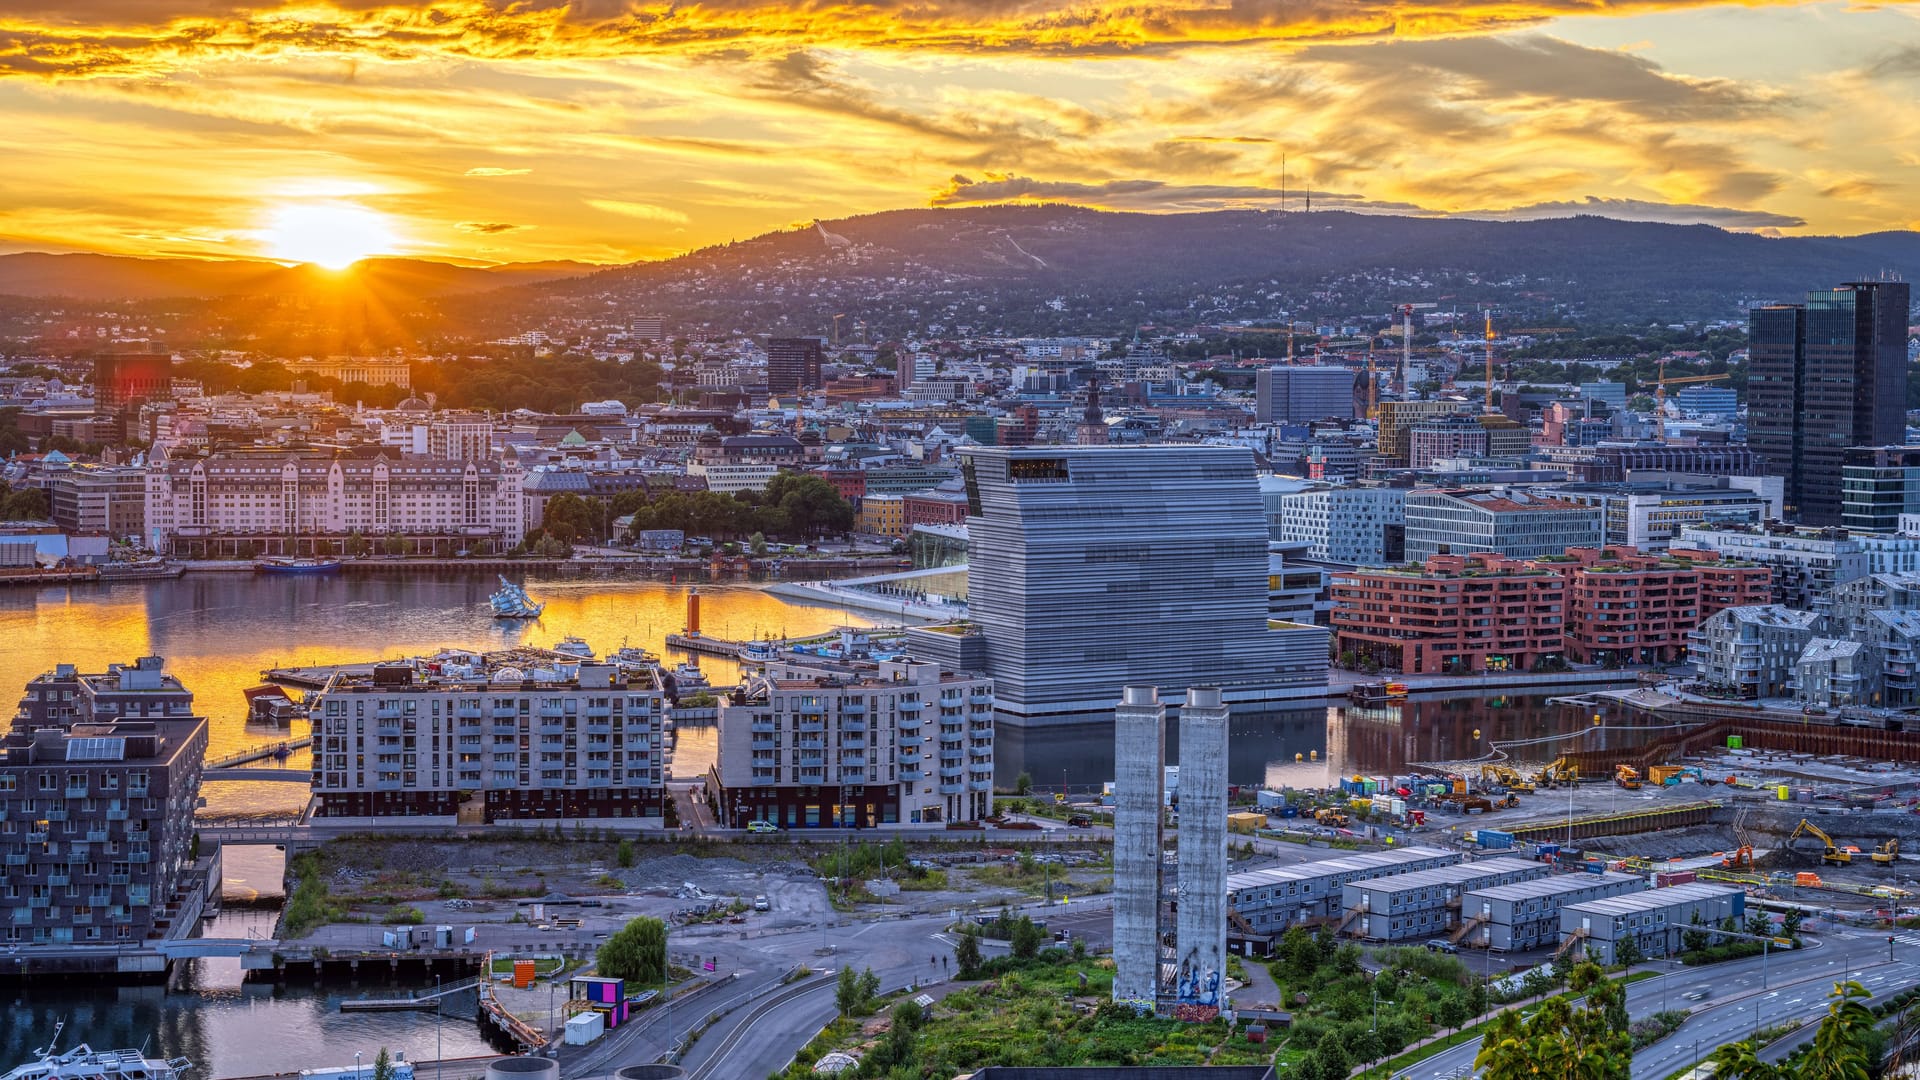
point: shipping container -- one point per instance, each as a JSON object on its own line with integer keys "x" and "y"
{"x": 583, "y": 1028}
{"x": 1674, "y": 877}
{"x": 1494, "y": 838}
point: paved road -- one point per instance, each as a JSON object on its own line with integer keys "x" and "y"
{"x": 1810, "y": 975}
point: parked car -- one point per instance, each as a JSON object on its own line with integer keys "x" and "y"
{"x": 762, "y": 827}
{"x": 760, "y": 904}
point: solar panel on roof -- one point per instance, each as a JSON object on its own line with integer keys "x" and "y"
{"x": 96, "y": 749}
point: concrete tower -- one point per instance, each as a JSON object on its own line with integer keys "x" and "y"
{"x": 1200, "y": 941}
{"x": 1139, "y": 755}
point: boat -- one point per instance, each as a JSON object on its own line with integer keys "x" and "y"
{"x": 688, "y": 676}
{"x": 759, "y": 652}
{"x": 574, "y": 646}
{"x": 297, "y": 566}
{"x": 512, "y": 602}
{"x": 85, "y": 1063}
{"x": 402, "y": 1070}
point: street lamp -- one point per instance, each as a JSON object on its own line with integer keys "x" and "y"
{"x": 356, "y": 1066}
{"x": 438, "y": 1049}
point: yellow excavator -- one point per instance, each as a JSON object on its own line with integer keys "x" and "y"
{"x": 1832, "y": 854}
{"x": 1887, "y": 852}
{"x": 1558, "y": 772}
{"x": 1506, "y": 776}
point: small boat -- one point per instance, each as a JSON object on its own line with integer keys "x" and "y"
{"x": 759, "y": 652}
{"x": 574, "y": 646}
{"x": 297, "y": 566}
{"x": 141, "y": 568}
{"x": 688, "y": 676}
{"x": 512, "y": 602}
{"x": 85, "y": 1063}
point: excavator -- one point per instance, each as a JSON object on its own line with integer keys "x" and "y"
{"x": 1887, "y": 852}
{"x": 1738, "y": 859}
{"x": 1506, "y": 776}
{"x": 1335, "y": 818}
{"x": 1558, "y": 772}
{"x": 1832, "y": 854}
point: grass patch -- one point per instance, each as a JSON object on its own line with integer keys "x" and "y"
{"x": 309, "y": 904}
{"x": 543, "y": 966}
{"x": 931, "y": 881}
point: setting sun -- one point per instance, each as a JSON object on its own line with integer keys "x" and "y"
{"x": 330, "y": 234}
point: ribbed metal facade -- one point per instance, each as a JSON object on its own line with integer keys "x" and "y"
{"x": 1094, "y": 567}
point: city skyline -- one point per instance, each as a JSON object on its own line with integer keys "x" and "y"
{"x": 607, "y": 131}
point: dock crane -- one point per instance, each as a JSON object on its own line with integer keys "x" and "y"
{"x": 1660, "y": 396}
{"x": 1832, "y": 854}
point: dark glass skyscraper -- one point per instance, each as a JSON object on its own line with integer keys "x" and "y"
{"x": 1824, "y": 376}
{"x": 793, "y": 364}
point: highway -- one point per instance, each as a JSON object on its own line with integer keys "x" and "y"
{"x": 1797, "y": 985}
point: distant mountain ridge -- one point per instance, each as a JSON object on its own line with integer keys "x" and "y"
{"x": 119, "y": 277}
{"x": 1030, "y": 269}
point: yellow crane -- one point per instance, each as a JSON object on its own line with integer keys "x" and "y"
{"x": 1490, "y": 338}
{"x": 1660, "y": 396}
{"x": 1832, "y": 854}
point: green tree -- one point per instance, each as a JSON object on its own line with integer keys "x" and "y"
{"x": 1759, "y": 923}
{"x": 966, "y": 953}
{"x": 623, "y": 854}
{"x": 26, "y": 504}
{"x": 569, "y": 517}
{"x": 846, "y": 991}
{"x": 869, "y": 989}
{"x": 1477, "y": 999}
{"x": 1026, "y": 939}
{"x": 382, "y": 1065}
{"x": 757, "y": 545}
{"x": 1693, "y": 940}
{"x": 1333, "y": 1055}
{"x": 1301, "y": 953}
{"x": 1840, "y": 1046}
{"x": 1558, "y": 1040}
{"x": 1790, "y": 925}
{"x": 1451, "y": 1012}
{"x": 637, "y": 952}
{"x": 1023, "y": 784}
{"x": 1626, "y": 951}
{"x": 357, "y": 545}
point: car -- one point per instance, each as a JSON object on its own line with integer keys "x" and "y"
{"x": 1079, "y": 821}
{"x": 1442, "y": 945}
{"x": 1701, "y": 994}
{"x": 762, "y": 827}
{"x": 760, "y": 904}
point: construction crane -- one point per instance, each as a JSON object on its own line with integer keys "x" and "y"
{"x": 1832, "y": 854}
{"x": 1489, "y": 360}
{"x": 1660, "y": 396}
{"x": 1373, "y": 387}
{"x": 1406, "y": 340}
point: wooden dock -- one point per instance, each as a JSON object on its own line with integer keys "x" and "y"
{"x": 710, "y": 646}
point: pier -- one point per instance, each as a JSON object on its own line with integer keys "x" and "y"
{"x": 421, "y": 1001}
{"x": 700, "y": 643}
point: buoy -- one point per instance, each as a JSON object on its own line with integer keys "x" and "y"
{"x": 1476, "y": 733}
{"x": 1314, "y": 755}
{"x": 1299, "y": 757}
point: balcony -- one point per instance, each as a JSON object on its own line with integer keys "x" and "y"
{"x": 909, "y": 720}
{"x": 981, "y": 785}
{"x": 953, "y": 773}
{"x": 910, "y": 740}
{"x": 910, "y": 773}
{"x": 61, "y": 815}
{"x": 853, "y": 776}
{"x": 765, "y": 744}
{"x": 765, "y": 727}
{"x": 813, "y": 727}
{"x": 59, "y": 879}
{"x": 954, "y": 755}
{"x": 952, "y": 789}
{"x": 37, "y": 837}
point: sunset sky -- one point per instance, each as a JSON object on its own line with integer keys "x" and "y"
{"x": 612, "y": 130}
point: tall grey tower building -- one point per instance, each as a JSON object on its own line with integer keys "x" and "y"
{"x": 1200, "y": 930}
{"x": 1096, "y": 567}
{"x": 1140, "y": 757}
{"x": 1824, "y": 376}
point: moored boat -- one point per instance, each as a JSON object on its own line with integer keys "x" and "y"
{"x": 85, "y": 1063}
{"x": 297, "y": 566}
{"x": 511, "y": 601}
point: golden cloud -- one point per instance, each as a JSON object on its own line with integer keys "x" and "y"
{"x": 96, "y": 38}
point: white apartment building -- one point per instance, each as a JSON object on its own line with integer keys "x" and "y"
{"x": 285, "y": 505}
{"x": 1349, "y": 525}
{"x": 543, "y": 740}
{"x": 811, "y": 744}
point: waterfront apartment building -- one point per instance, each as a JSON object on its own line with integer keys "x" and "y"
{"x": 1424, "y": 904}
{"x": 1442, "y": 521}
{"x": 142, "y": 690}
{"x": 98, "y": 832}
{"x": 1624, "y": 607}
{"x": 1877, "y": 485}
{"x": 1455, "y": 615}
{"x": 817, "y": 744}
{"x": 103, "y": 500}
{"x": 1751, "y": 651}
{"x": 1656, "y": 919}
{"x": 225, "y": 505}
{"x": 1303, "y": 393}
{"x": 536, "y": 739}
{"x": 1097, "y": 567}
{"x": 1824, "y": 376}
{"x": 1806, "y": 564}
{"x": 1271, "y": 900}
{"x": 1365, "y": 526}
